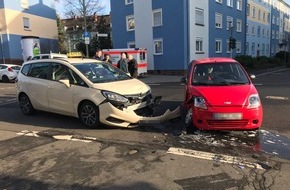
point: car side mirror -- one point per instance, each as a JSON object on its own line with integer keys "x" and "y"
{"x": 252, "y": 76}
{"x": 65, "y": 82}
{"x": 183, "y": 80}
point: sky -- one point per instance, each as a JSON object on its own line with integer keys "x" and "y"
{"x": 106, "y": 3}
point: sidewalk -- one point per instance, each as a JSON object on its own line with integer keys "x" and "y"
{"x": 151, "y": 79}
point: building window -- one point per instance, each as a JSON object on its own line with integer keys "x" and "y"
{"x": 230, "y": 3}
{"x": 263, "y": 33}
{"x": 127, "y": 2}
{"x": 273, "y": 34}
{"x": 24, "y": 4}
{"x": 157, "y": 17}
{"x": 158, "y": 47}
{"x": 219, "y": 1}
{"x": 247, "y": 48}
{"x": 199, "y": 16}
{"x": 277, "y": 21}
{"x": 267, "y": 49}
{"x": 199, "y": 45}
{"x": 268, "y": 18}
{"x": 239, "y": 25}
{"x": 264, "y": 16}
{"x": 239, "y": 5}
{"x": 238, "y": 47}
{"x": 253, "y": 30}
{"x": 254, "y": 12}
{"x": 259, "y": 14}
{"x": 218, "y": 46}
{"x": 277, "y": 35}
{"x": 130, "y": 23}
{"x": 218, "y": 20}
{"x": 248, "y": 9}
{"x": 273, "y": 19}
{"x": 253, "y": 48}
{"x": 247, "y": 29}
{"x": 258, "y": 31}
{"x": 229, "y": 22}
{"x": 26, "y": 23}
{"x": 263, "y": 49}
{"x": 131, "y": 45}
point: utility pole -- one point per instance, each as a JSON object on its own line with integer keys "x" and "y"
{"x": 85, "y": 20}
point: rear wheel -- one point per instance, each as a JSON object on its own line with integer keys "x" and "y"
{"x": 190, "y": 128}
{"x": 25, "y": 105}
{"x": 5, "y": 79}
{"x": 89, "y": 114}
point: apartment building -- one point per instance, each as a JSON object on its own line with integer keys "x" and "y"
{"x": 26, "y": 24}
{"x": 178, "y": 31}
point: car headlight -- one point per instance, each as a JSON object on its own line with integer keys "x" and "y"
{"x": 199, "y": 102}
{"x": 254, "y": 101}
{"x": 115, "y": 98}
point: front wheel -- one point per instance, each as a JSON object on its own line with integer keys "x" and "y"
{"x": 89, "y": 114}
{"x": 5, "y": 79}
{"x": 25, "y": 105}
{"x": 190, "y": 128}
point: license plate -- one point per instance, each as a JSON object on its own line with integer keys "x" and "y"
{"x": 227, "y": 116}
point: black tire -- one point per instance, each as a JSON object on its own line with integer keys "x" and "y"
{"x": 5, "y": 79}
{"x": 89, "y": 114}
{"x": 190, "y": 128}
{"x": 25, "y": 105}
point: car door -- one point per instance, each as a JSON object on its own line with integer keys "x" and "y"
{"x": 36, "y": 85}
{"x": 61, "y": 97}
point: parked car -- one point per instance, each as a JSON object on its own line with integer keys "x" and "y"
{"x": 93, "y": 91}
{"x": 219, "y": 95}
{"x": 8, "y": 72}
{"x": 50, "y": 56}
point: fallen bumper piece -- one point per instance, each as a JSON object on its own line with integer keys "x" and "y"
{"x": 112, "y": 116}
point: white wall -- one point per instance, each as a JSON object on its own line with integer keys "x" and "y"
{"x": 198, "y": 31}
{"x": 143, "y": 28}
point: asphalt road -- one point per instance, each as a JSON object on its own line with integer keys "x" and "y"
{"x": 49, "y": 151}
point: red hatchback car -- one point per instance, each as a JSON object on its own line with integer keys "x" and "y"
{"x": 219, "y": 95}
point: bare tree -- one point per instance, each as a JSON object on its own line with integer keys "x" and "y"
{"x": 82, "y": 8}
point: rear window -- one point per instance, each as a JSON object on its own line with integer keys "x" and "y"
{"x": 25, "y": 69}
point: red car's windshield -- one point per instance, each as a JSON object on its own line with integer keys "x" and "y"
{"x": 219, "y": 74}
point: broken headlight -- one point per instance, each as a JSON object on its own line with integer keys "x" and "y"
{"x": 115, "y": 99}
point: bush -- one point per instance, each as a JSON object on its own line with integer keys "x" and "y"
{"x": 246, "y": 60}
{"x": 261, "y": 62}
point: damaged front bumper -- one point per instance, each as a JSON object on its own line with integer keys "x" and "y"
{"x": 127, "y": 118}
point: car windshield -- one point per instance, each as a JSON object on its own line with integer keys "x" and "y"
{"x": 101, "y": 72}
{"x": 219, "y": 74}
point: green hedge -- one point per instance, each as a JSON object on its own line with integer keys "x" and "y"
{"x": 262, "y": 61}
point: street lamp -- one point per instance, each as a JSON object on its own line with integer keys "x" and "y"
{"x": 85, "y": 20}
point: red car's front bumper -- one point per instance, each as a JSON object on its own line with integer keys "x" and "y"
{"x": 249, "y": 119}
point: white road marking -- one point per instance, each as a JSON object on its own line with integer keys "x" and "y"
{"x": 211, "y": 156}
{"x": 9, "y": 101}
{"x": 270, "y": 72}
{"x": 28, "y": 133}
{"x": 153, "y": 84}
{"x": 57, "y": 137}
{"x": 277, "y": 97}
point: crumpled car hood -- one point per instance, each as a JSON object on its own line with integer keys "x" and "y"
{"x": 125, "y": 87}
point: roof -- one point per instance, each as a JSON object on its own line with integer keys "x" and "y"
{"x": 214, "y": 59}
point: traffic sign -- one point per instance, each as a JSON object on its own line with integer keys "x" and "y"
{"x": 87, "y": 40}
{"x": 87, "y": 34}
{"x": 103, "y": 35}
